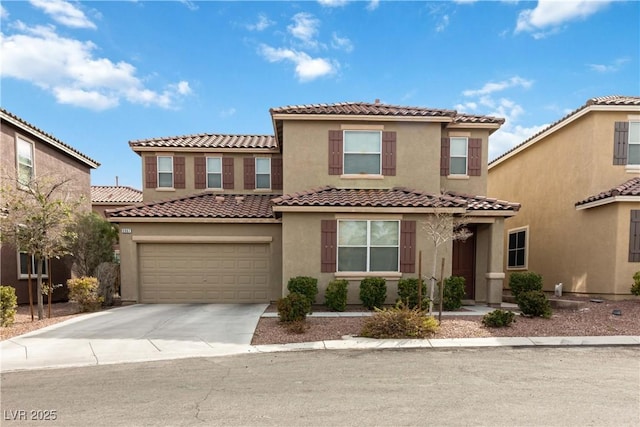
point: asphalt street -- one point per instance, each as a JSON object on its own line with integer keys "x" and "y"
{"x": 568, "y": 386}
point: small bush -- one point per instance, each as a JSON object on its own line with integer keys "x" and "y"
{"x": 307, "y": 286}
{"x": 336, "y": 295}
{"x": 84, "y": 291}
{"x": 373, "y": 292}
{"x": 294, "y": 307}
{"x": 8, "y": 304}
{"x": 297, "y": 326}
{"x": 535, "y": 304}
{"x": 498, "y": 318}
{"x": 635, "y": 288}
{"x": 399, "y": 322}
{"x": 107, "y": 274}
{"x": 408, "y": 292}
{"x": 453, "y": 293}
{"x": 525, "y": 281}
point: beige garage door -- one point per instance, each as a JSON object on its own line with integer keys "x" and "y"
{"x": 188, "y": 273}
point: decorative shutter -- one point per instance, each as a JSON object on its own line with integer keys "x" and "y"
{"x": 329, "y": 241}
{"x": 179, "y": 179}
{"x": 276, "y": 173}
{"x": 475, "y": 156}
{"x": 200, "y": 175}
{"x": 634, "y": 237}
{"x": 389, "y": 153}
{"x": 335, "y": 152}
{"x": 150, "y": 171}
{"x": 445, "y": 145}
{"x": 620, "y": 143}
{"x": 407, "y": 246}
{"x": 227, "y": 173}
{"x": 249, "y": 173}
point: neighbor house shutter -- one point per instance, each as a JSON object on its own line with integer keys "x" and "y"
{"x": 475, "y": 156}
{"x": 249, "y": 173}
{"x": 179, "y": 180}
{"x": 227, "y": 173}
{"x": 329, "y": 242}
{"x": 150, "y": 172}
{"x": 444, "y": 156}
{"x": 634, "y": 237}
{"x": 388, "y": 153}
{"x": 200, "y": 175}
{"x": 335, "y": 152}
{"x": 407, "y": 246}
{"x": 620, "y": 143}
{"x": 276, "y": 173}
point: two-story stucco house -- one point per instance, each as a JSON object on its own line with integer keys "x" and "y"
{"x": 579, "y": 184}
{"x": 28, "y": 153}
{"x": 339, "y": 191}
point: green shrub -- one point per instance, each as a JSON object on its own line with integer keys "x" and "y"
{"x": 373, "y": 292}
{"x": 534, "y": 303}
{"x": 336, "y": 295}
{"x": 304, "y": 285}
{"x": 521, "y": 282}
{"x": 294, "y": 307}
{"x": 84, "y": 291}
{"x": 399, "y": 322}
{"x": 635, "y": 288}
{"x": 8, "y": 304}
{"x": 453, "y": 293}
{"x": 498, "y": 318}
{"x": 408, "y": 292}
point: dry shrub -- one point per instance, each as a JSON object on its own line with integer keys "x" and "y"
{"x": 399, "y": 322}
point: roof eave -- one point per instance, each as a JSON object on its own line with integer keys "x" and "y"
{"x": 140, "y": 150}
{"x": 606, "y": 201}
{"x": 361, "y": 117}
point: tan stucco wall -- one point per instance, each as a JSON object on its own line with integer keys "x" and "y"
{"x": 129, "y": 248}
{"x": 577, "y": 248}
{"x": 623, "y": 278}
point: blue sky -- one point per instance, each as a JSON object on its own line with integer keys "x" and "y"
{"x": 99, "y": 74}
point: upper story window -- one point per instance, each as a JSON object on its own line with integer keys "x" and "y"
{"x": 214, "y": 172}
{"x": 24, "y": 151}
{"x": 165, "y": 172}
{"x": 362, "y": 152}
{"x": 23, "y": 265}
{"x": 365, "y": 246}
{"x": 633, "y": 156}
{"x": 263, "y": 172}
{"x": 458, "y": 156}
{"x": 517, "y": 252}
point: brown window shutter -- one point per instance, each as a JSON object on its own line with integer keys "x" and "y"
{"x": 329, "y": 241}
{"x": 150, "y": 171}
{"x": 634, "y": 237}
{"x": 407, "y": 246}
{"x": 276, "y": 173}
{"x": 249, "y": 173}
{"x": 445, "y": 145}
{"x": 227, "y": 173}
{"x": 179, "y": 179}
{"x": 389, "y": 153}
{"x": 200, "y": 175}
{"x": 620, "y": 143}
{"x": 335, "y": 152}
{"x": 475, "y": 156}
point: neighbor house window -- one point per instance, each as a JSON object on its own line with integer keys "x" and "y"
{"x": 263, "y": 172}
{"x": 23, "y": 263}
{"x": 368, "y": 245}
{"x": 517, "y": 257}
{"x": 25, "y": 161}
{"x": 165, "y": 172}
{"x": 362, "y": 152}
{"x": 633, "y": 157}
{"x": 458, "y": 156}
{"x": 214, "y": 172}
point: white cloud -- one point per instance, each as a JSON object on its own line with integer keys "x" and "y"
{"x": 190, "y": 5}
{"x": 228, "y": 112}
{"x": 444, "y": 23}
{"x": 608, "y": 68}
{"x": 491, "y": 87}
{"x": 341, "y": 43}
{"x": 263, "y": 23}
{"x": 373, "y": 5}
{"x": 333, "y": 3}
{"x": 68, "y": 69}
{"x": 554, "y": 13}
{"x": 64, "y": 13}
{"x": 304, "y": 27}
{"x": 509, "y": 136}
{"x": 306, "y": 67}
{"x": 3, "y": 12}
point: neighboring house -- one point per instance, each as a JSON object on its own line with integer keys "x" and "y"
{"x": 104, "y": 197}
{"x": 579, "y": 184}
{"x": 28, "y": 152}
{"x": 339, "y": 191}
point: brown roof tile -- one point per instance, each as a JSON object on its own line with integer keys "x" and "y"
{"x": 115, "y": 194}
{"x": 207, "y": 140}
{"x": 471, "y": 118}
{"x": 363, "y": 108}
{"x": 629, "y": 188}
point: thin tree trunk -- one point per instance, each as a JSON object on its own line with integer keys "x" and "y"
{"x": 29, "y": 285}
{"x": 39, "y": 288}
{"x": 50, "y": 290}
{"x": 420, "y": 280}
{"x": 433, "y": 278}
{"x": 441, "y": 290}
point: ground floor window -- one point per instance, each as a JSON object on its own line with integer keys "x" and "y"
{"x": 368, "y": 245}
{"x": 517, "y": 252}
{"x": 23, "y": 262}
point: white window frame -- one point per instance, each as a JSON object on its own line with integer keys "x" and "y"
{"x": 34, "y": 274}
{"x": 345, "y": 152}
{"x": 165, "y": 172}
{"x": 368, "y": 246}
{"x": 524, "y": 230}
{"x": 465, "y": 157}
{"x": 19, "y": 141}
{"x": 214, "y": 173}
{"x": 633, "y": 142}
{"x": 258, "y": 159}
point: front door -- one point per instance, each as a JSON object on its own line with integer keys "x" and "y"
{"x": 464, "y": 262}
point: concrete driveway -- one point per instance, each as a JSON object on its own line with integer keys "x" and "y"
{"x": 141, "y": 332}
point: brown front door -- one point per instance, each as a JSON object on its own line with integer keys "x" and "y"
{"x": 464, "y": 262}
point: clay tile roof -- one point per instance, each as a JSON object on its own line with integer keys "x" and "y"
{"x": 115, "y": 194}
{"x": 629, "y": 188}
{"x": 483, "y": 203}
{"x": 471, "y": 118}
{"x": 203, "y": 205}
{"x": 207, "y": 140}
{"x": 363, "y": 108}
